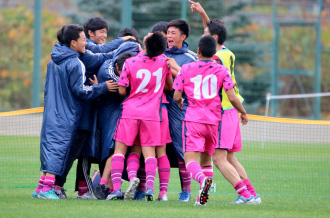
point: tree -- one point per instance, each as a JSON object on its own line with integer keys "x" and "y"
{"x": 16, "y": 57}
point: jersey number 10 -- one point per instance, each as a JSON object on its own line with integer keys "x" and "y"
{"x": 209, "y": 86}
{"x": 147, "y": 76}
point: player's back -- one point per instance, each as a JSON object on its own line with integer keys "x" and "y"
{"x": 202, "y": 81}
{"x": 146, "y": 77}
{"x": 227, "y": 58}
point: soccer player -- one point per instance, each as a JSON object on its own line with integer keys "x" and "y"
{"x": 136, "y": 172}
{"x": 64, "y": 92}
{"x": 109, "y": 111}
{"x": 201, "y": 81}
{"x": 84, "y": 144}
{"x": 146, "y": 75}
{"x": 230, "y": 135}
{"x": 178, "y": 54}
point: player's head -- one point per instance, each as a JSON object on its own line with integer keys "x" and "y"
{"x": 129, "y": 32}
{"x": 154, "y": 44}
{"x": 121, "y": 60}
{"x": 217, "y": 29}
{"x": 73, "y": 36}
{"x": 177, "y": 32}
{"x": 207, "y": 46}
{"x": 161, "y": 26}
{"x": 96, "y": 29}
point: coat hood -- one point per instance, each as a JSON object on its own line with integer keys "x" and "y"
{"x": 61, "y": 53}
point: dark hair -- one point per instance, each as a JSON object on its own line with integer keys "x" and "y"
{"x": 217, "y": 27}
{"x": 95, "y": 23}
{"x": 182, "y": 25}
{"x": 122, "y": 58}
{"x": 155, "y": 44}
{"x": 207, "y": 46}
{"x": 130, "y": 32}
{"x": 68, "y": 33}
{"x": 161, "y": 26}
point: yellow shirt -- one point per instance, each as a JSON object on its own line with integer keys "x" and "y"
{"x": 225, "y": 57}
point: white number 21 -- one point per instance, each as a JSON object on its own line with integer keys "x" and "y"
{"x": 206, "y": 91}
{"x": 147, "y": 76}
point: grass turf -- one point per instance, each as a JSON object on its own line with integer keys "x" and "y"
{"x": 293, "y": 180}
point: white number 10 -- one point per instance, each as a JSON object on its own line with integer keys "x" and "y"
{"x": 147, "y": 76}
{"x": 208, "y": 80}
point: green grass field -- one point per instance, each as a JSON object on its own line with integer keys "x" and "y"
{"x": 292, "y": 179}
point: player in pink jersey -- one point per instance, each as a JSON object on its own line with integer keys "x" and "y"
{"x": 146, "y": 75}
{"x": 201, "y": 81}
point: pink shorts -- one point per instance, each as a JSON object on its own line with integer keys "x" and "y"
{"x": 199, "y": 137}
{"x": 164, "y": 130}
{"x": 230, "y": 133}
{"x": 128, "y": 129}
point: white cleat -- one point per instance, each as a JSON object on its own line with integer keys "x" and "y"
{"x": 129, "y": 194}
{"x": 87, "y": 196}
{"x": 163, "y": 198}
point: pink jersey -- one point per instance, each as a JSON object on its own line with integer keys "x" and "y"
{"x": 201, "y": 81}
{"x": 146, "y": 77}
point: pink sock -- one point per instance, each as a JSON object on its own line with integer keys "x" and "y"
{"x": 104, "y": 181}
{"x": 141, "y": 174}
{"x": 48, "y": 183}
{"x": 208, "y": 171}
{"x": 241, "y": 190}
{"x": 57, "y": 187}
{"x": 250, "y": 187}
{"x": 117, "y": 167}
{"x": 133, "y": 164}
{"x": 185, "y": 176}
{"x": 196, "y": 171}
{"x": 164, "y": 172}
{"x": 151, "y": 167}
{"x": 82, "y": 188}
{"x": 40, "y": 184}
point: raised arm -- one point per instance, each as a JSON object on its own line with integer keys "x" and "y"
{"x": 196, "y": 6}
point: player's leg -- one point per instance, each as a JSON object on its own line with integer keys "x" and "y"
{"x": 231, "y": 175}
{"x": 117, "y": 163}
{"x": 133, "y": 165}
{"x": 206, "y": 164}
{"x": 150, "y": 168}
{"x": 48, "y": 191}
{"x": 163, "y": 162}
{"x": 164, "y": 170}
{"x": 40, "y": 185}
{"x": 242, "y": 173}
{"x": 175, "y": 124}
{"x": 102, "y": 189}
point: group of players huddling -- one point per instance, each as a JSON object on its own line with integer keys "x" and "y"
{"x": 107, "y": 102}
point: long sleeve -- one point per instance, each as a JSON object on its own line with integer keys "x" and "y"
{"x": 105, "y": 48}
{"x": 76, "y": 81}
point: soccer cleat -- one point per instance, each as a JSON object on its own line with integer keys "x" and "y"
{"x": 48, "y": 195}
{"x": 184, "y": 196}
{"x": 129, "y": 194}
{"x": 35, "y": 194}
{"x": 163, "y": 198}
{"x": 149, "y": 194}
{"x": 197, "y": 203}
{"x": 139, "y": 195}
{"x": 61, "y": 193}
{"x": 101, "y": 191}
{"x": 204, "y": 191}
{"x": 116, "y": 195}
{"x": 87, "y": 196}
{"x": 257, "y": 199}
{"x": 243, "y": 200}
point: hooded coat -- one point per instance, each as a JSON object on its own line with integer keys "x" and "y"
{"x": 182, "y": 56}
{"x": 63, "y": 98}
